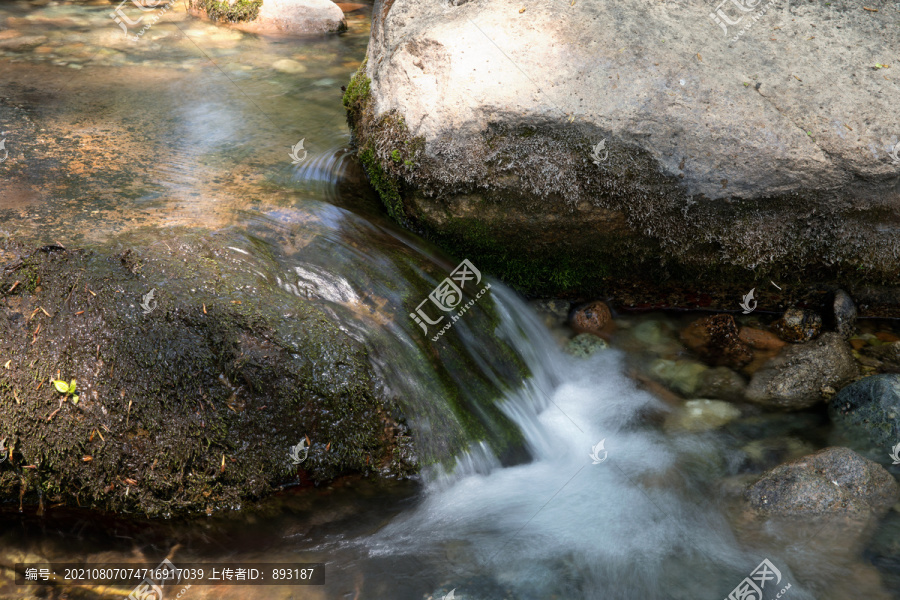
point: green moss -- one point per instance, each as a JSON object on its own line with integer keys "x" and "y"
{"x": 240, "y": 10}
{"x": 537, "y": 274}
{"x": 387, "y": 187}
{"x": 182, "y": 386}
{"x": 395, "y": 156}
{"x": 358, "y": 89}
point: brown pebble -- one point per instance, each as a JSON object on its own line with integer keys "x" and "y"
{"x": 592, "y": 318}
{"x": 858, "y": 344}
{"x": 760, "y": 339}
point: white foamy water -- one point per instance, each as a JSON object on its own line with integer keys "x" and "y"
{"x": 560, "y": 526}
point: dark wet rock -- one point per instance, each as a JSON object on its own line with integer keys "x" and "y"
{"x": 191, "y": 405}
{"x": 832, "y": 482}
{"x": 803, "y": 374}
{"x": 868, "y": 412}
{"x": 593, "y": 318}
{"x": 721, "y": 383}
{"x": 716, "y": 339}
{"x": 585, "y": 344}
{"x": 798, "y": 325}
{"x": 843, "y": 314}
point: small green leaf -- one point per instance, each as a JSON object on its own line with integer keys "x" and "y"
{"x": 75, "y": 399}
{"x": 72, "y": 387}
{"x": 61, "y": 386}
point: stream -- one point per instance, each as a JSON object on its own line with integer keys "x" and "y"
{"x": 191, "y": 127}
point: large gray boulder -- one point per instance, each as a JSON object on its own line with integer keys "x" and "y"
{"x": 726, "y": 146}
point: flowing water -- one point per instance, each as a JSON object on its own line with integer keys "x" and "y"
{"x": 191, "y": 127}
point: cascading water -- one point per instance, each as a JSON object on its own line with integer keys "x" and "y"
{"x": 631, "y": 525}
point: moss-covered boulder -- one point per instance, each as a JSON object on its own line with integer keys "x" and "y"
{"x": 189, "y": 399}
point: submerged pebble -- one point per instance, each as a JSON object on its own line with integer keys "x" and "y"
{"x": 682, "y": 376}
{"x": 585, "y": 344}
{"x": 286, "y": 65}
{"x": 703, "y": 415}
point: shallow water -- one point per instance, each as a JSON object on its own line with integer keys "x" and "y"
{"x": 192, "y": 126}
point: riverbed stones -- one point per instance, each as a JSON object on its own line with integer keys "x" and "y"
{"x": 716, "y": 339}
{"x": 843, "y": 313}
{"x": 702, "y": 415}
{"x": 868, "y": 412}
{"x": 682, "y": 376}
{"x": 286, "y": 65}
{"x": 22, "y": 42}
{"x": 798, "y": 325}
{"x": 761, "y": 339}
{"x": 606, "y": 155}
{"x": 802, "y": 374}
{"x": 832, "y": 482}
{"x": 721, "y": 383}
{"x": 584, "y": 345}
{"x": 593, "y": 318}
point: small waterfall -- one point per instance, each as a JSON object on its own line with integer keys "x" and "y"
{"x": 631, "y": 525}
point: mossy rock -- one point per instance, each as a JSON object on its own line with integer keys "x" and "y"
{"x": 237, "y": 11}
{"x": 192, "y": 406}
